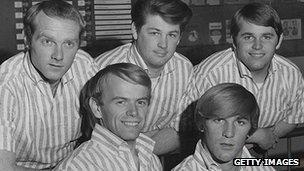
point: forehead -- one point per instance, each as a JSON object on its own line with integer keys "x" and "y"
{"x": 157, "y": 22}
{"x": 65, "y": 27}
{"x": 248, "y": 27}
{"x": 116, "y": 86}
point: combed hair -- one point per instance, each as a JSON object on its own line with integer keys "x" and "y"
{"x": 172, "y": 11}
{"x": 228, "y": 98}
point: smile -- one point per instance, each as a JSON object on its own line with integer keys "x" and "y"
{"x": 257, "y": 55}
{"x": 128, "y": 123}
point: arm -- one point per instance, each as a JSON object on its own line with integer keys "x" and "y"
{"x": 166, "y": 140}
{"x": 8, "y": 162}
{"x": 266, "y": 138}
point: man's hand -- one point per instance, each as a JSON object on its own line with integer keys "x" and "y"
{"x": 264, "y": 137}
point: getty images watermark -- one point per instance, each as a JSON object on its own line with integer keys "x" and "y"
{"x": 265, "y": 162}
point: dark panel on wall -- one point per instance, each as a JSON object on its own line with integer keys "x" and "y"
{"x": 7, "y": 30}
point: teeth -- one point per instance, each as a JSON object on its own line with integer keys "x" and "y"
{"x": 131, "y": 123}
{"x": 256, "y": 54}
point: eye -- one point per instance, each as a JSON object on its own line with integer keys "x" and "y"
{"x": 120, "y": 102}
{"x": 248, "y": 37}
{"x": 142, "y": 103}
{"x": 242, "y": 122}
{"x": 47, "y": 42}
{"x": 218, "y": 120}
{"x": 173, "y": 35}
{"x": 70, "y": 44}
{"x": 267, "y": 37}
{"x": 154, "y": 33}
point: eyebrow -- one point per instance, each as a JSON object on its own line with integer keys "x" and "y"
{"x": 264, "y": 34}
{"x": 124, "y": 98}
{"x": 153, "y": 28}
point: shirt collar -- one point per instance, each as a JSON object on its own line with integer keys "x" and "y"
{"x": 134, "y": 57}
{"x": 36, "y": 77}
{"x": 102, "y": 135}
{"x": 203, "y": 157}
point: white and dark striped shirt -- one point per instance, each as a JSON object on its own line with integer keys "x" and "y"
{"x": 167, "y": 89}
{"x": 281, "y": 96}
{"x": 202, "y": 160}
{"x": 38, "y": 127}
{"x": 105, "y": 151}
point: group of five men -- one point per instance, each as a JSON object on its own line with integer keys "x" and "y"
{"x": 127, "y": 114}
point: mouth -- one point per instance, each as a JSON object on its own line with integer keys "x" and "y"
{"x": 56, "y": 65}
{"x": 227, "y": 146}
{"x": 160, "y": 54}
{"x": 131, "y": 123}
{"x": 257, "y": 55}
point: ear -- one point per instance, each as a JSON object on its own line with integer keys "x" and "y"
{"x": 26, "y": 42}
{"x": 279, "y": 42}
{"x": 96, "y": 109}
{"x": 134, "y": 31}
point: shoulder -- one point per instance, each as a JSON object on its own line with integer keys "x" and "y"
{"x": 83, "y": 57}
{"x": 11, "y": 68}
{"x": 188, "y": 164}
{"x": 286, "y": 64}
{"x": 182, "y": 63}
{"x": 116, "y": 53}
{"x": 215, "y": 61}
{"x": 78, "y": 158}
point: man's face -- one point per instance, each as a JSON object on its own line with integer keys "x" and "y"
{"x": 256, "y": 45}
{"x": 225, "y": 137}
{"x": 53, "y": 46}
{"x": 156, "y": 41}
{"x": 124, "y": 106}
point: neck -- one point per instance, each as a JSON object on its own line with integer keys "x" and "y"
{"x": 259, "y": 76}
{"x": 134, "y": 152}
{"x": 54, "y": 87}
{"x": 154, "y": 72}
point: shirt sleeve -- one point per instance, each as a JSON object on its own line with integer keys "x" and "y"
{"x": 296, "y": 110}
{"x": 7, "y": 126}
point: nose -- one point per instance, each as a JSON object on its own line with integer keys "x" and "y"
{"x": 163, "y": 42}
{"x": 132, "y": 110}
{"x": 57, "y": 53}
{"x": 257, "y": 44}
{"x": 229, "y": 130}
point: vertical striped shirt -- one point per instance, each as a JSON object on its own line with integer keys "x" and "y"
{"x": 202, "y": 160}
{"x": 281, "y": 96}
{"x": 167, "y": 89}
{"x": 105, "y": 151}
{"x": 39, "y": 128}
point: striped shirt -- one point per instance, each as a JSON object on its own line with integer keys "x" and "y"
{"x": 202, "y": 160}
{"x": 281, "y": 96}
{"x": 105, "y": 151}
{"x": 39, "y": 128}
{"x": 167, "y": 89}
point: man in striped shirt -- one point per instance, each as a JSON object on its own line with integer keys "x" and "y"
{"x": 226, "y": 115}
{"x": 114, "y": 104}
{"x": 39, "y": 88}
{"x": 157, "y": 27}
{"x": 275, "y": 81}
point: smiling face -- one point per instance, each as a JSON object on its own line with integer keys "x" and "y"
{"x": 124, "y": 106}
{"x": 256, "y": 45}
{"x": 156, "y": 41}
{"x": 53, "y": 46}
{"x": 225, "y": 137}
